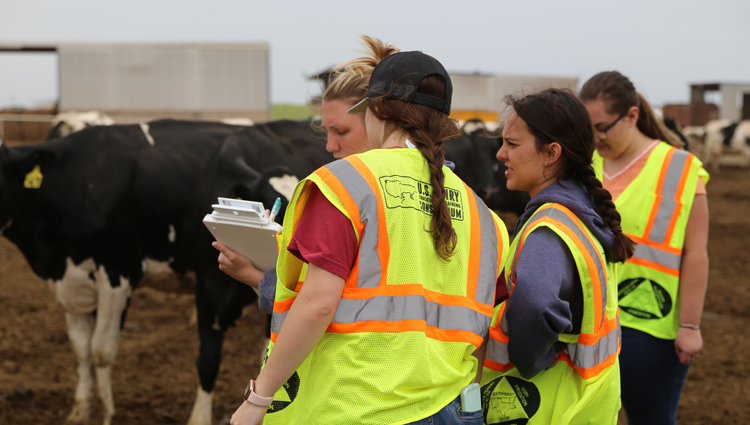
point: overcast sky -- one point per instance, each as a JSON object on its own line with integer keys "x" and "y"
{"x": 662, "y": 46}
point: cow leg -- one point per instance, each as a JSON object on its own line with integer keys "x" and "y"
{"x": 80, "y": 329}
{"x": 76, "y": 293}
{"x": 209, "y": 360}
{"x": 111, "y": 306}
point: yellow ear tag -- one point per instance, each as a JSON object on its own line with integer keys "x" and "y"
{"x": 33, "y": 180}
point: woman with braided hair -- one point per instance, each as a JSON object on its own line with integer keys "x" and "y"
{"x": 554, "y": 343}
{"x": 660, "y": 191}
{"x": 394, "y": 331}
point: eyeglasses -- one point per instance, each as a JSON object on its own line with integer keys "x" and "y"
{"x": 609, "y": 127}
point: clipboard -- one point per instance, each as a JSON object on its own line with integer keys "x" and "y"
{"x": 245, "y": 228}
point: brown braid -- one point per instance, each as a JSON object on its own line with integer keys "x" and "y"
{"x": 427, "y": 128}
{"x": 557, "y": 116}
{"x": 623, "y": 247}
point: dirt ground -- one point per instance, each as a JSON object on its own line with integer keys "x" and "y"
{"x": 155, "y": 379}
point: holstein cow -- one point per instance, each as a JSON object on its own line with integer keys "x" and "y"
{"x": 89, "y": 212}
{"x": 66, "y": 123}
{"x": 714, "y": 143}
{"x": 737, "y": 139}
{"x": 252, "y": 166}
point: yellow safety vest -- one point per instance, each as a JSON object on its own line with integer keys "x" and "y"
{"x": 655, "y": 208}
{"x": 583, "y": 385}
{"x": 400, "y": 345}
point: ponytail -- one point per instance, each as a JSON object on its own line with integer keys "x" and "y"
{"x": 650, "y": 125}
{"x": 427, "y": 128}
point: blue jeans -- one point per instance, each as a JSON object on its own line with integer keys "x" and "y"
{"x": 452, "y": 414}
{"x": 652, "y": 378}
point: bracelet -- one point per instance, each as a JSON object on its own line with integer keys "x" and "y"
{"x": 690, "y": 326}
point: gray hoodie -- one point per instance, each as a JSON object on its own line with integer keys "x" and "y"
{"x": 547, "y": 299}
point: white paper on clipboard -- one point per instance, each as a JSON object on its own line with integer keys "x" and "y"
{"x": 244, "y": 227}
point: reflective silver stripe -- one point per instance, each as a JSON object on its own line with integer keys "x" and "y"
{"x": 362, "y": 194}
{"x": 277, "y": 319}
{"x": 497, "y": 351}
{"x": 591, "y": 249}
{"x": 407, "y": 307}
{"x": 583, "y": 356}
{"x": 658, "y": 256}
{"x": 668, "y": 191}
{"x": 487, "y": 277}
{"x": 412, "y": 307}
{"x": 589, "y": 356}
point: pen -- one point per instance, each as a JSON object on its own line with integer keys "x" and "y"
{"x": 275, "y": 209}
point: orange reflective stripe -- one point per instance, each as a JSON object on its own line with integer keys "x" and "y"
{"x": 655, "y": 266}
{"x": 589, "y": 261}
{"x": 593, "y": 371}
{"x": 591, "y": 339}
{"x": 343, "y": 195}
{"x": 417, "y": 289}
{"x": 475, "y": 247}
{"x": 590, "y": 265}
{"x": 500, "y": 246}
{"x": 283, "y": 306}
{"x": 497, "y": 366}
{"x": 678, "y": 198}
{"x": 659, "y": 186}
{"x": 662, "y": 246}
{"x": 498, "y": 335}
{"x": 384, "y": 249}
{"x": 413, "y": 325}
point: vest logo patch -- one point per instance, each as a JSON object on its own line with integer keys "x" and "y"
{"x": 291, "y": 386}
{"x": 644, "y": 298}
{"x": 406, "y": 192}
{"x": 509, "y": 401}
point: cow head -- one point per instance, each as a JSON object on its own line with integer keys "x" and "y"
{"x": 237, "y": 179}
{"x": 21, "y": 171}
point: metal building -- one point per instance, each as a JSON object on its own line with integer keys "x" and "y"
{"x": 194, "y": 81}
{"x": 481, "y": 95}
{"x": 140, "y": 81}
{"x": 730, "y": 98}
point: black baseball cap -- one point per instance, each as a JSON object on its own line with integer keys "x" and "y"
{"x": 404, "y": 71}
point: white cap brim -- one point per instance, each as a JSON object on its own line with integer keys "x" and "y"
{"x": 359, "y": 107}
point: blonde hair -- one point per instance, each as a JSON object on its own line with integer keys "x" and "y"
{"x": 349, "y": 81}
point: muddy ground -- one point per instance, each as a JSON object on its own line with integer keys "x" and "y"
{"x": 155, "y": 378}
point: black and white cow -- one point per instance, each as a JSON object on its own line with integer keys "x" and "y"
{"x": 66, "y": 123}
{"x": 249, "y": 165}
{"x": 90, "y": 212}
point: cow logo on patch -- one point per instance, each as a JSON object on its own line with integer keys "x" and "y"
{"x": 644, "y": 298}
{"x": 406, "y": 192}
{"x": 509, "y": 401}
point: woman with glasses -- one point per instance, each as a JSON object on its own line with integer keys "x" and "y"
{"x": 659, "y": 190}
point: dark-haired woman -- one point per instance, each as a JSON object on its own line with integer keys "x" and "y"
{"x": 552, "y": 353}
{"x": 660, "y": 191}
{"x": 396, "y": 336}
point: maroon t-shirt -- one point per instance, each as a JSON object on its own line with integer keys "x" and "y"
{"x": 324, "y": 236}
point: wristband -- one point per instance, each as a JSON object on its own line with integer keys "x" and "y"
{"x": 253, "y": 398}
{"x": 690, "y": 326}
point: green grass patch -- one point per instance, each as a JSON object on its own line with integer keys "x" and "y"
{"x": 288, "y": 111}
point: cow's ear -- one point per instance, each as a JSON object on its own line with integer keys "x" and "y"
{"x": 46, "y": 160}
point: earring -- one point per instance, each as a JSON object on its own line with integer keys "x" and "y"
{"x": 546, "y": 162}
